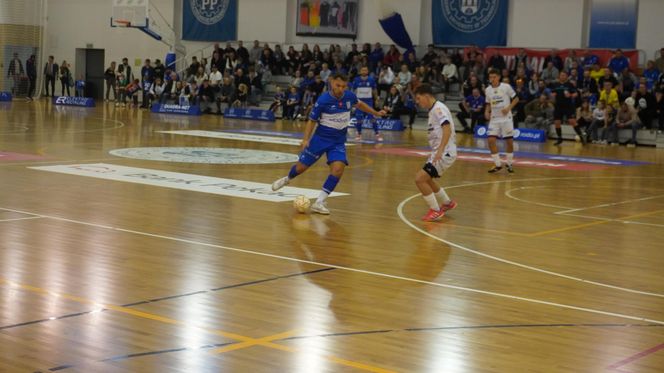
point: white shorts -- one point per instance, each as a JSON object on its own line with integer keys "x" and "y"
{"x": 501, "y": 128}
{"x": 436, "y": 169}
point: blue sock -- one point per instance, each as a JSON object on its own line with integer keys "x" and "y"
{"x": 358, "y": 125}
{"x": 330, "y": 184}
{"x": 375, "y": 126}
{"x": 292, "y": 174}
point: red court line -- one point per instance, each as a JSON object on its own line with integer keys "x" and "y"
{"x": 633, "y": 358}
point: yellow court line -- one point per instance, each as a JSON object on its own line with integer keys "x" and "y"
{"x": 239, "y": 346}
{"x": 245, "y": 341}
{"x": 579, "y": 226}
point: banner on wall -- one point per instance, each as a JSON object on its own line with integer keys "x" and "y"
{"x": 209, "y": 20}
{"x": 467, "y": 22}
{"x": 536, "y": 57}
{"x": 613, "y": 24}
{"x": 332, "y": 18}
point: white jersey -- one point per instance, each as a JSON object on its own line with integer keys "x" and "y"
{"x": 499, "y": 98}
{"x": 438, "y": 115}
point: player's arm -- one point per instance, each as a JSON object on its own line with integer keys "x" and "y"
{"x": 487, "y": 111}
{"x": 367, "y": 109}
{"x": 513, "y": 103}
{"x": 447, "y": 133}
{"x": 308, "y": 130}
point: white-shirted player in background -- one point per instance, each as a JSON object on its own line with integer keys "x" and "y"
{"x": 500, "y": 100}
{"x": 442, "y": 140}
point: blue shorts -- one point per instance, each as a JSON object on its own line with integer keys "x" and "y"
{"x": 334, "y": 150}
{"x": 360, "y": 115}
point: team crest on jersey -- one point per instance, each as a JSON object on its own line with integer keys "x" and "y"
{"x": 469, "y": 15}
{"x": 348, "y": 105}
{"x": 209, "y": 12}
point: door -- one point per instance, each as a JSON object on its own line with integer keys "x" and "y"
{"x": 94, "y": 73}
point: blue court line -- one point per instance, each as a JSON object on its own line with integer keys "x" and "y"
{"x": 563, "y": 158}
{"x": 297, "y": 135}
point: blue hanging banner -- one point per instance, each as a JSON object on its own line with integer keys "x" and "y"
{"x": 467, "y": 22}
{"x": 395, "y": 28}
{"x": 613, "y": 24}
{"x": 209, "y": 20}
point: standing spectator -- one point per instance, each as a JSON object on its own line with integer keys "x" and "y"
{"x": 159, "y": 69}
{"x": 255, "y": 88}
{"x": 217, "y": 61}
{"x": 524, "y": 96}
{"x": 473, "y": 106}
{"x": 306, "y": 58}
{"x": 521, "y": 57}
{"x": 120, "y": 82}
{"x": 193, "y": 67}
{"x": 109, "y": 77}
{"x": 659, "y": 96}
{"x": 449, "y": 74}
{"x": 351, "y": 55}
{"x": 50, "y": 74}
{"x": 15, "y": 72}
{"x": 147, "y": 79}
{"x": 256, "y": 52}
{"x": 267, "y": 60}
{"x": 242, "y": 52}
{"x": 279, "y": 60}
{"x": 497, "y": 61}
{"x": 229, "y": 49}
{"x": 619, "y": 63}
{"x": 226, "y": 94}
{"x": 129, "y": 74}
{"x": 65, "y": 78}
{"x": 232, "y": 62}
{"x": 626, "y": 118}
{"x": 292, "y": 60}
{"x": 564, "y": 94}
{"x": 31, "y": 70}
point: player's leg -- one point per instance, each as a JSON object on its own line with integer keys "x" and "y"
{"x": 577, "y": 128}
{"x": 494, "y": 131}
{"x": 359, "y": 121}
{"x": 374, "y": 125}
{"x": 423, "y": 180}
{"x": 448, "y": 204}
{"x": 508, "y": 136}
{"x": 336, "y": 159}
{"x": 310, "y": 155}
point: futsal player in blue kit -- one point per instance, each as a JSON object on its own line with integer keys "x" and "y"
{"x": 365, "y": 87}
{"x": 332, "y": 114}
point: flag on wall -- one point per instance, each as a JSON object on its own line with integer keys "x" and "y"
{"x": 613, "y": 24}
{"x": 465, "y": 22}
{"x": 209, "y": 20}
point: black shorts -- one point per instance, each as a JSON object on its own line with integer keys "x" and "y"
{"x": 563, "y": 113}
{"x": 430, "y": 169}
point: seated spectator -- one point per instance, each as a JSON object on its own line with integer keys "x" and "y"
{"x": 430, "y": 56}
{"x": 524, "y": 97}
{"x": 193, "y": 67}
{"x": 318, "y": 87}
{"x": 405, "y": 76}
{"x": 472, "y": 83}
{"x": 619, "y": 64}
{"x": 256, "y": 87}
{"x": 554, "y": 58}
{"x": 596, "y": 73}
{"x": 292, "y": 103}
{"x": 215, "y": 78}
{"x": 645, "y": 105}
{"x": 325, "y": 72}
{"x": 659, "y": 96}
{"x": 308, "y": 101}
{"x": 533, "y": 85}
{"x": 449, "y": 74}
{"x": 376, "y": 55}
{"x": 521, "y": 60}
{"x": 226, "y": 94}
{"x": 267, "y": 60}
{"x": 550, "y": 73}
{"x": 297, "y": 79}
{"x": 473, "y": 108}
{"x": 80, "y": 87}
{"x": 279, "y": 100}
{"x": 385, "y": 79}
{"x": 651, "y": 73}
{"x": 188, "y": 94}
{"x": 280, "y": 63}
{"x": 171, "y": 90}
{"x": 497, "y": 61}
{"x": 200, "y": 76}
{"x": 626, "y": 118}
{"x": 392, "y": 57}
{"x": 131, "y": 92}
{"x": 241, "y": 96}
{"x": 307, "y": 81}
{"x": 600, "y": 122}
{"x": 584, "y": 115}
{"x": 412, "y": 62}
{"x": 293, "y": 61}
{"x": 539, "y": 113}
{"x": 505, "y": 77}
{"x": 241, "y": 78}
{"x": 156, "y": 90}
{"x": 587, "y": 86}
{"x": 589, "y": 60}
{"x": 609, "y": 95}
{"x": 572, "y": 62}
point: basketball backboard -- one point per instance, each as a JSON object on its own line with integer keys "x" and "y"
{"x": 130, "y": 13}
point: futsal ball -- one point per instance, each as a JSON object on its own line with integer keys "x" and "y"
{"x": 301, "y": 204}
{"x": 577, "y": 138}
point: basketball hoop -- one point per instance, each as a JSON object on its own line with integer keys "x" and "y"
{"x": 121, "y": 23}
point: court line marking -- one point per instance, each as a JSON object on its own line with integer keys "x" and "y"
{"x": 510, "y": 262}
{"x": 602, "y": 221}
{"x": 617, "y": 220}
{"x": 166, "y": 320}
{"x": 380, "y": 274}
{"x": 67, "y": 132}
{"x": 259, "y": 341}
{"x": 609, "y": 204}
{"x": 638, "y": 356}
{"x": 17, "y": 219}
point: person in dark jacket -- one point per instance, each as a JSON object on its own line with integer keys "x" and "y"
{"x": 147, "y": 79}
{"x": 31, "y": 71}
{"x": 15, "y": 72}
{"x": 51, "y": 70}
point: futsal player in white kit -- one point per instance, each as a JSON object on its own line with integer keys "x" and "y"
{"x": 442, "y": 140}
{"x": 500, "y": 99}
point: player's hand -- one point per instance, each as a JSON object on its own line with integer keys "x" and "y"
{"x": 382, "y": 113}
{"x": 438, "y": 157}
{"x": 487, "y": 115}
{"x": 505, "y": 111}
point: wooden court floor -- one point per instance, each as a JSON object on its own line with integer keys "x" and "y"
{"x": 547, "y": 270}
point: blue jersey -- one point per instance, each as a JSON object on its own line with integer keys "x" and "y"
{"x": 619, "y": 64}
{"x": 475, "y": 103}
{"x": 333, "y": 115}
{"x": 364, "y": 89}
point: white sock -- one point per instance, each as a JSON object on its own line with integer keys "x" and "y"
{"x": 431, "y": 201}
{"x": 322, "y": 196}
{"x": 510, "y": 158}
{"x": 496, "y": 159}
{"x": 443, "y": 196}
